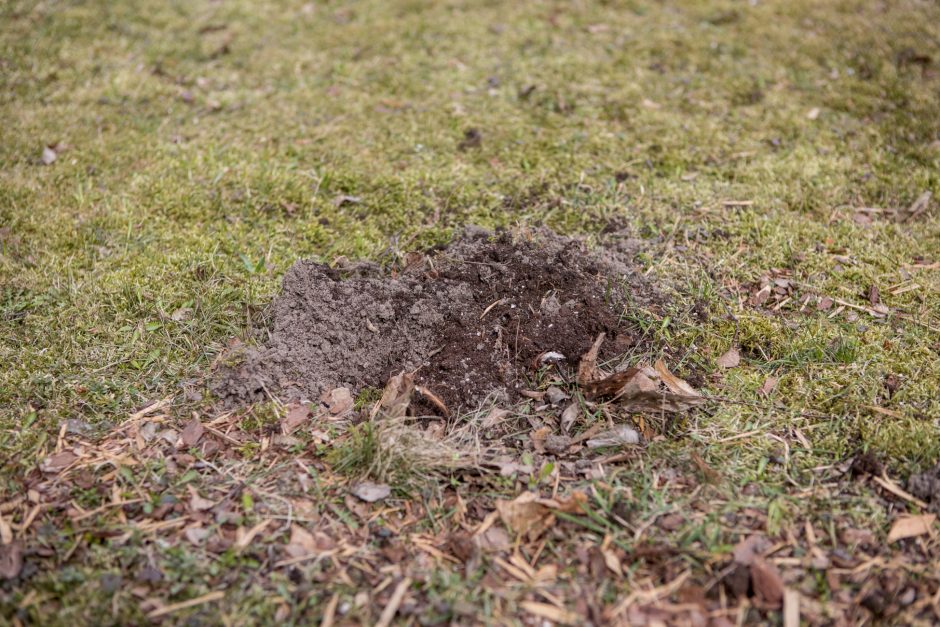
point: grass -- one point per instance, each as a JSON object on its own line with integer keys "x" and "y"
{"x": 204, "y": 147}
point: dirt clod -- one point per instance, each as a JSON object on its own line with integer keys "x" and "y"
{"x": 926, "y": 486}
{"x": 472, "y": 319}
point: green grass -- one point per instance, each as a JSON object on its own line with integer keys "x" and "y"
{"x": 205, "y": 146}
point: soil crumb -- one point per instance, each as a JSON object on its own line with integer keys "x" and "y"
{"x": 926, "y": 487}
{"x": 475, "y": 319}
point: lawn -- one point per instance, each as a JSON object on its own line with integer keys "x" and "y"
{"x": 775, "y": 165}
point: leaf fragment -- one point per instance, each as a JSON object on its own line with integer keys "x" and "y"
{"x": 911, "y": 527}
{"x": 730, "y": 359}
{"x": 371, "y": 492}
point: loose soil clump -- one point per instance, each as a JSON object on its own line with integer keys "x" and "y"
{"x": 474, "y": 319}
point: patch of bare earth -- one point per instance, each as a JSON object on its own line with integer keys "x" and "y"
{"x": 473, "y": 321}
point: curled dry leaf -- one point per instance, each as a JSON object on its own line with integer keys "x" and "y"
{"x": 434, "y": 399}
{"x": 587, "y": 368}
{"x": 396, "y": 397}
{"x": 297, "y": 414}
{"x": 371, "y": 492}
{"x": 730, "y": 359}
{"x": 58, "y": 462}
{"x": 911, "y": 527}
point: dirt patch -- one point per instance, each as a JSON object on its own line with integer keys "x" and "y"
{"x": 926, "y": 486}
{"x": 475, "y": 319}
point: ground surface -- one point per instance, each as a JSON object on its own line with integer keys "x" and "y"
{"x": 162, "y": 166}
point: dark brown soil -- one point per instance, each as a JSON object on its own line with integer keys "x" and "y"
{"x": 356, "y": 326}
{"x": 926, "y": 486}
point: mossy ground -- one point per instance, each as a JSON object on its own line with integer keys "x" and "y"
{"x": 203, "y": 147}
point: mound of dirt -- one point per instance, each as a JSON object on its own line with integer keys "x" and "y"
{"x": 475, "y": 319}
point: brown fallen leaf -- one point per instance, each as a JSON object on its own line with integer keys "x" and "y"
{"x": 191, "y": 434}
{"x": 710, "y": 474}
{"x": 609, "y": 387}
{"x": 297, "y": 414}
{"x": 434, "y": 399}
{"x": 198, "y": 503}
{"x": 749, "y": 548}
{"x": 674, "y": 383}
{"x": 730, "y": 359}
{"x": 569, "y": 416}
{"x": 371, "y": 492}
{"x": 767, "y": 582}
{"x": 58, "y": 462}
{"x": 494, "y": 417}
{"x": 11, "y": 560}
{"x": 551, "y": 613}
{"x": 911, "y": 527}
{"x": 769, "y": 385}
{"x": 396, "y": 397}
{"x": 302, "y": 543}
{"x": 587, "y": 367}
{"x": 525, "y": 515}
{"x": 338, "y": 401}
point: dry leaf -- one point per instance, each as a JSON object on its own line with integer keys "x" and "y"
{"x": 610, "y": 387}
{"x": 196, "y": 535}
{"x": 492, "y": 540}
{"x": 587, "y": 367}
{"x": 296, "y": 416}
{"x": 674, "y": 383}
{"x": 198, "y": 503}
{"x": 495, "y": 417}
{"x": 338, "y": 401}
{"x": 555, "y": 395}
{"x": 730, "y": 359}
{"x": 525, "y": 515}
{"x": 302, "y": 543}
{"x": 767, "y": 582}
{"x": 770, "y": 384}
{"x": 58, "y": 462}
{"x": 621, "y": 436}
{"x": 570, "y": 416}
{"x": 551, "y": 613}
{"x": 434, "y": 399}
{"x": 191, "y": 434}
{"x": 749, "y": 548}
{"x": 11, "y": 560}
{"x": 612, "y": 562}
{"x": 6, "y": 532}
{"x": 911, "y": 527}
{"x": 396, "y": 397}
{"x": 371, "y": 492}
{"x": 710, "y": 474}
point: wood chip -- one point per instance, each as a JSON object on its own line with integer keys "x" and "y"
{"x": 394, "y": 603}
{"x": 218, "y": 595}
